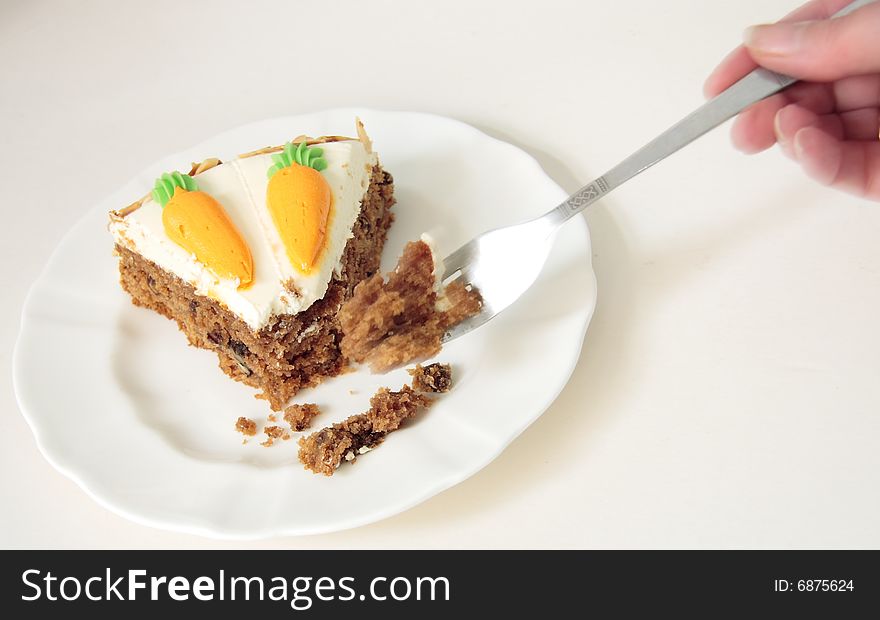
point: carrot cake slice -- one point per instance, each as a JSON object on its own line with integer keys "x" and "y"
{"x": 253, "y": 257}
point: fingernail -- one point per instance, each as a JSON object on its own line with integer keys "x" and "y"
{"x": 778, "y": 121}
{"x": 775, "y": 39}
{"x": 800, "y": 143}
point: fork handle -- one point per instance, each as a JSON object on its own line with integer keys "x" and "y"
{"x": 757, "y": 85}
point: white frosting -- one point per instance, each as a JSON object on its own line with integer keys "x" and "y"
{"x": 442, "y": 304}
{"x": 240, "y": 186}
{"x": 428, "y": 240}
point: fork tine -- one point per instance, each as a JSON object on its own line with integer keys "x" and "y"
{"x": 468, "y": 324}
{"x": 457, "y": 260}
{"x": 486, "y": 310}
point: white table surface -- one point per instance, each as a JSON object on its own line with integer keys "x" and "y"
{"x": 728, "y": 393}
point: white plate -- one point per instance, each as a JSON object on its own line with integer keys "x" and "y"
{"x": 144, "y": 423}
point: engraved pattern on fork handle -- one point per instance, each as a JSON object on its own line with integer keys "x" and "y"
{"x": 583, "y": 197}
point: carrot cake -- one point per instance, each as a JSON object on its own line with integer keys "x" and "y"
{"x": 254, "y": 256}
{"x": 396, "y": 320}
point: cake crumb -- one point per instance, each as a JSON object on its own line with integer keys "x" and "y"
{"x": 246, "y": 426}
{"x": 431, "y": 378}
{"x": 272, "y": 433}
{"x": 388, "y": 409}
{"x": 300, "y": 416}
{"x": 323, "y": 451}
{"x": 271, "y": 417}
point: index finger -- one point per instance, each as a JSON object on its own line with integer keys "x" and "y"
{"x": 738, "y": 62}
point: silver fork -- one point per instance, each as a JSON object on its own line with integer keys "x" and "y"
{"x": 502, "y": 263}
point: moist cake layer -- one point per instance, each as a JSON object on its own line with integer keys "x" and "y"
{"x": 291, "y": 351}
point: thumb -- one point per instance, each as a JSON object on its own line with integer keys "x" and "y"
{"x": 820, "y": 51}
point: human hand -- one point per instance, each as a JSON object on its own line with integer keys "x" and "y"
{"x": 829, "y": 123}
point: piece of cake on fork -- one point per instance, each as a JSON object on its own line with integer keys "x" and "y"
{"x": 254, "y": 256}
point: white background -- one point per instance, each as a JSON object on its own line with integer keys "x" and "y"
{"x": 728, "y": 394}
